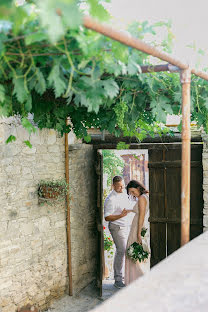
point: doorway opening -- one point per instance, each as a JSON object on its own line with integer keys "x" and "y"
{"x": 131, "y": 165}
{"x": 162, "y": 176}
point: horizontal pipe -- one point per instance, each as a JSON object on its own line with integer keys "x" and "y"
{"x": 128, "y": 40}
{"x": 159, "y": 68}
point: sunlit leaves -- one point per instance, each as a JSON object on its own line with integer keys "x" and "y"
{"x": 57, "y": 16}
{"x": 2, "y": 93}
{"x": 111, "y": 88}
{"x": 35, "y": 37}
{"x": 55, "y": 81}
{"x": 27, "y": 125}
{"x": 97, "y": 10}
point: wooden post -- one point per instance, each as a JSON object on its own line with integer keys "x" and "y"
{"x": 186, "y": 157}
{"x": 68, "y": 213}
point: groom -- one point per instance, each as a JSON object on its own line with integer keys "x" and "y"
{"x": 116, "y": 214}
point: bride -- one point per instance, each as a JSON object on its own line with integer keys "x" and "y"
{"x": 140, "y": 220}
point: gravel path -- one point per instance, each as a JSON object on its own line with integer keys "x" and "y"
{"x": 86, "y": 300}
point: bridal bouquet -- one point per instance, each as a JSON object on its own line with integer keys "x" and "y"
{"x": 136, "y": 251}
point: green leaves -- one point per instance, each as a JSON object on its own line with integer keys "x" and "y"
{"x": 57, "y": 17}
{"x": 55, "y": 81}
{"x": 97, "y": 80}
{"x": 27, "y": 125}
{"x": 10, "y": 139}
{"x": 40, "y": 84}
{"x": 28, "y": 144}
{"x": 111, "y": 88}
{"x": 19, "y": 89}
{"x": 122, "y": 145}
{"x": 36, "y": 37}
{"x": 98, "y": 11}
{"x": 2, "y": 93}
{"x": 160, "y": 108}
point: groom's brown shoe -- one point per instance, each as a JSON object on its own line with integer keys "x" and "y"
{"x": 119, "y": 284}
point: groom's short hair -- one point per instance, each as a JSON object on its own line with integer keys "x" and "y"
{"x": 117, "y": 179}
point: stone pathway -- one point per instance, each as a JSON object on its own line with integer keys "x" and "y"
{"x": 86, "y": 300}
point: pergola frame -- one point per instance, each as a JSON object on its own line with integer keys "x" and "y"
{"x": 185, "y": 78}
{"x": 173, "y": 65}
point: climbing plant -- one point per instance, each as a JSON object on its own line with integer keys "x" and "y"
{"x": 112, "y": 165}
{"x": 52, "y": 67}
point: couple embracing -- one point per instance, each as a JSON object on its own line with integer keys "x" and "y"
{"x": 117, "y": 208}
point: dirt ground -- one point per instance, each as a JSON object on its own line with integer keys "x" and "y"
{"x": 86, "y": 300}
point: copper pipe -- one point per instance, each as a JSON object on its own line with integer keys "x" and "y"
{"x": 186, "y": 157}
{"x": 68, "y": 213}
{"x": 128, "y": 40}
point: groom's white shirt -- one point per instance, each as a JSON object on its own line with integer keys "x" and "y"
{"x": 114, "y": 204}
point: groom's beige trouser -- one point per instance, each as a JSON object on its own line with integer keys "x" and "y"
{"x": 119, "y": 234}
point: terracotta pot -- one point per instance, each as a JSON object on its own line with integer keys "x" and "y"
{"x": 50, "y": 191}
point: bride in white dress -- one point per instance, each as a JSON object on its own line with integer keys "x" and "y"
{"x": 141, "y": 208}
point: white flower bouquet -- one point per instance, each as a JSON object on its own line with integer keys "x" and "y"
{"x": 136, "y": 252}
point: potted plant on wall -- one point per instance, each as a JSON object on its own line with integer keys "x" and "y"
{"x": 52, "y": 190}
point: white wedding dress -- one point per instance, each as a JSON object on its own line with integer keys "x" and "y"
{"x": 135, "y": 270}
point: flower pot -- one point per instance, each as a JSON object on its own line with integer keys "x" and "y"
{"x": 50, "y": 192}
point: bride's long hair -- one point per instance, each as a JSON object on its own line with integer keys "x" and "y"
{"x": 137, "y": 185}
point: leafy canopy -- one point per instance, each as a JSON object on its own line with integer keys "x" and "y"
{"x": 52, "y": 67}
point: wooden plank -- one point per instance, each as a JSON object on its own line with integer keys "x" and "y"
{"x": 149, "y": 146}
{"x": 172, "y": 164}
{"x": 158, "y": 242}
{"x": 101, "y": 259}
{"x": 173, "y": 237}
{"x": 174, "y": 220}
{"x": 157, "y": 209}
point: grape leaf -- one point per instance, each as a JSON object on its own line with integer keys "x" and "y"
{"x": 40, "y": 85}
{"x": 111, "y": 87}
{"x": 36, "y": 37}
{"x": 55, "y": 81}
{"x": 19, "y": 89}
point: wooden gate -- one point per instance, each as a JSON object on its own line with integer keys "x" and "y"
{"x": 165, "y": 198}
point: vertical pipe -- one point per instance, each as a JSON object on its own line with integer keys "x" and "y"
{"x": 186, "y": 157}
{"x": 68, "y": 212}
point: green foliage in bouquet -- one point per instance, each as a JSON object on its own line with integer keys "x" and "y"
{"x": 136, "y": 252}
{"x": 143, "y": 232}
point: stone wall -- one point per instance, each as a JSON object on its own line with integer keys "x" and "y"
{"x": 205, "y": 180}
{"x": 84, "y": 240}
{"x": 33, "y": 247}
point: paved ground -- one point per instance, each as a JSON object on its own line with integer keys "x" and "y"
{"x": 85, "y": 301}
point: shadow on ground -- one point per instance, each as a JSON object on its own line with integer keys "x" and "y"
{"x": 86, "y": 300}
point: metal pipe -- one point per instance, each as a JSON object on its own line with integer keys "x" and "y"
{"x": 68, "y": 213}
{"x": 128, "y": 40}
{"x": 186, "y": 157}
{"x": 159, "y": 68}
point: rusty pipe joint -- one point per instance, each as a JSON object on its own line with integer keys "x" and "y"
{"x": 185, "y": 75}
{"x": 173, "y": 68}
